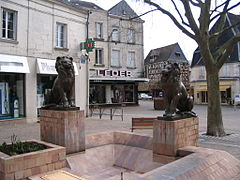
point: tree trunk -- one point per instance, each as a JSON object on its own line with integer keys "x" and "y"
{"x": 214, "y": 116}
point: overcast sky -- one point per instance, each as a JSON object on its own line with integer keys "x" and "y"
{"x": 159, "y": 30}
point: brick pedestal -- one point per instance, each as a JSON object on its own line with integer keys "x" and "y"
{"x": 64, "y": 128}
{"x": 168, "y": 136}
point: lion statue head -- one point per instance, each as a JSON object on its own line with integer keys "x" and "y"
{"x": 64, "y": 66}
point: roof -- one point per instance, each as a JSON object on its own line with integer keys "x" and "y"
{"x": 81, "y": 4}
{"x": 235, "y": 56}
{"x": 122, "y": 9}
{"x": 171, "y": 52}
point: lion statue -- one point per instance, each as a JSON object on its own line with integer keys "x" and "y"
{"x": 176, "y": 96}
{"x": 61, "y": 94}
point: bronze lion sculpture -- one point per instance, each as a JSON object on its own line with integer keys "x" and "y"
{"x": 61, "y": 94}
{"x": 176, "y": 96}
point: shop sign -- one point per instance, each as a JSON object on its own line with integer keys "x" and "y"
{"x": 114, "y": 73}
{"x": 15, "y": 64}
{"x": 46, "y": 66}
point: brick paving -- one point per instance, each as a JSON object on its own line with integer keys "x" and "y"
{"x": 94, "y": 125}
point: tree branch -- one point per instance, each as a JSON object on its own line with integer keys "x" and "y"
{"x": 217, "y": 7}
{"x": 180, "y": 15}
{"x": 195, "y": 4}
{"x": 226, "y": 49}
{"x": 183, "y": 29}
{"x": 219, "y": 14}
{"x": 190, "y": 17}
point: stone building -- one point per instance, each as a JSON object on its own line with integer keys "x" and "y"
{"x": 157, "y": 59}
{"x": 229, "y": 74}
{"x": 116, "y": 65}
{"x": 33, "y": 33}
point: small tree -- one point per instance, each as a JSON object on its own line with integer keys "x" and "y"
{"x": 213, "y": 57}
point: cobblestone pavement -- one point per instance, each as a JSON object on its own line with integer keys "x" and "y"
{"x": 94, "y": 124}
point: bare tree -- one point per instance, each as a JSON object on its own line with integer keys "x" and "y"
{"x": 214, "y": 58}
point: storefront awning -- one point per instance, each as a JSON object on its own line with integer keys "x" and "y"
{"x": 117, "y": 80}
{"x": 15, "y": 64}
{"x": 47, "y": 66}
{"x": 221, "y": 88}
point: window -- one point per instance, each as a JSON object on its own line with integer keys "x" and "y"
{"x": 99, "y": 56}
{"x": 115, "y": 61}
{"x": 201, "y": 72}
{"x": 115, "y": 34}
{"x": 99, "y": 30}
{"x": 61, "y": 35}
{"x": 131, "y": 60}
{"x": 131, "y": 36}
{"x": 9, "y": 23}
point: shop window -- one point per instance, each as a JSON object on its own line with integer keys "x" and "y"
{"x": 115, "y": 60}
{"x": 123, "y": 93}
{"x": 99, "y": 30}
{"x": 204, "y": 95}
{"x": 131, "y": 36}
{"x": 12, "y": 95}
{"x": 61, "y": 35}
{"x": 99, "y": 57}
{"x": 9, "y": 24}
{"x": 97, "y": 94}
{"x": 131, "y": 60}
{"x": 44, "y": 86}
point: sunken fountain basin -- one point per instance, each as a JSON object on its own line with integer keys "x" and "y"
{"x": 110, "y": 155}
{"x": 29, "y": 164}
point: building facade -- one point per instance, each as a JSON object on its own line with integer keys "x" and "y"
{"x": 229, "y": 75}
{"x": 33, "y": 34}
{"x": 116, "y": 64}
{"x": 157, "y": 59}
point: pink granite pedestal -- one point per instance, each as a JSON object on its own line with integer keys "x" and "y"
{"x": 64, "y": 128}
{"x": 169, "y": 136}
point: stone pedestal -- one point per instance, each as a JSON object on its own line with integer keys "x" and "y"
{"x": 64, "y": 128}
{"x": 169, "y": 136}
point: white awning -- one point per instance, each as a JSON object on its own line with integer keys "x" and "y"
{"x": 46, "y": 66}
{"x": 15, "y": 64}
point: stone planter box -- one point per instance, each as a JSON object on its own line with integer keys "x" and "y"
{"x": 29, "y": 164}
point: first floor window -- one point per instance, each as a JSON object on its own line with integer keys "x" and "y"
{"x": 131, "y": 60}
{"x": 61, "y": 35}
{"x": 99, "y": 29}
{"x": 130, "y": 36}
{"x": 9, "y": 23}
{"x": 99, "y": 56}
{"x": 115, "y": 34}
{"x": 115, "y": 60}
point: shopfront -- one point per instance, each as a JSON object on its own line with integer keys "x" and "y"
{"x": 12, "y": 86}
{"x": 114, "y": 87}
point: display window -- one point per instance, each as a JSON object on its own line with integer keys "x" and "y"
{"x": 12, "y": 95}
{"x": 123, "y": 93}
{"x": 44, "y": 85}
{"x": 97, "y": 94}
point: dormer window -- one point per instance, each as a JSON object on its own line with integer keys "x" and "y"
{"x": 178, "y": 54}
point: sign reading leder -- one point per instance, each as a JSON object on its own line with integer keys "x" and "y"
{"x": 114, "y": 73}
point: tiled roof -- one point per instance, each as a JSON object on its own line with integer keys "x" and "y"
{"x": 122, "y": 9}
{"x": 81, "y": 4}
{"x": 171, "y": 52}
{"x": 235, "y": 56}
